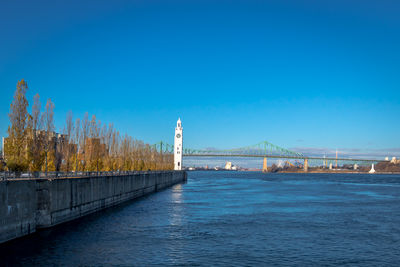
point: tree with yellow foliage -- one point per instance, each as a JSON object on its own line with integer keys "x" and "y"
{"x": 16, "y": 144}
{"x": 86, "y": 146}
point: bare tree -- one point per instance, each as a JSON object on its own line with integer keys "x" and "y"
{"x": 115, "y": 150}
{"x": 67, "y": 140}
{"x": 48, "y": 119}
{"x": 85, "y": 132}
{"x": 77, "y": 141}
{"x": 107, "y": 135}
{"x": 37, "y": 136}
{"x": 94, "y": 146}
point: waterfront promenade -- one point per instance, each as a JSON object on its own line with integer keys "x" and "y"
{"x": 29, "y": 203}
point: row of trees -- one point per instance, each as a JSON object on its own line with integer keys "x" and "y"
{"x": 84, "y": 145}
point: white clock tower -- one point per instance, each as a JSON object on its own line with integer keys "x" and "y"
{"x": 178, "y": 146}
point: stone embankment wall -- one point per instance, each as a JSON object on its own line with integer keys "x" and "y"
{"x": 28, "y": 205}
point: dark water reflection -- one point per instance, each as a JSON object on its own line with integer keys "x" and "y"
{"x": 234, "y": 218}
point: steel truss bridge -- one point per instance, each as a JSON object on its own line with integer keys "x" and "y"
{"x": 263, "y": 149}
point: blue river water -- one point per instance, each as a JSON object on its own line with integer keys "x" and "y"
{"x": 233, "y": 219}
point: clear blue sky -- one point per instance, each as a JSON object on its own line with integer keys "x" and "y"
{"x": 300, "y": 74}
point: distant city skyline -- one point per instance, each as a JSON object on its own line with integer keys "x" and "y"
{"x": 305, "y": 75}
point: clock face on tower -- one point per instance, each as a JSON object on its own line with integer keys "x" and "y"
{"x": 178, "y": 136}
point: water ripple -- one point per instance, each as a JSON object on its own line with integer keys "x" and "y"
{"x": 233, "y": 219}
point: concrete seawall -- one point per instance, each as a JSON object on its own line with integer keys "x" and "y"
{"x": 28, "y": 205}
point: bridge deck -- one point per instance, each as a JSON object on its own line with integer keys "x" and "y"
{"x": 279, "y": 157}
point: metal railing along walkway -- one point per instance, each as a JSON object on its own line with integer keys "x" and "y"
{"x": 8, "y": 175}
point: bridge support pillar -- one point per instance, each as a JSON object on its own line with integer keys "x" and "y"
{"x": 306, "y": 165}
{"x": 265, "y": 168}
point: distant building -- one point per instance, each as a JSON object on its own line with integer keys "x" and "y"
{"x": 56, "y": 143}
{"x": 55, "y": 139}
{"x": 395, "y": 161}
{"x": 95, "y": 147}
{"x": 228, "y": 165}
